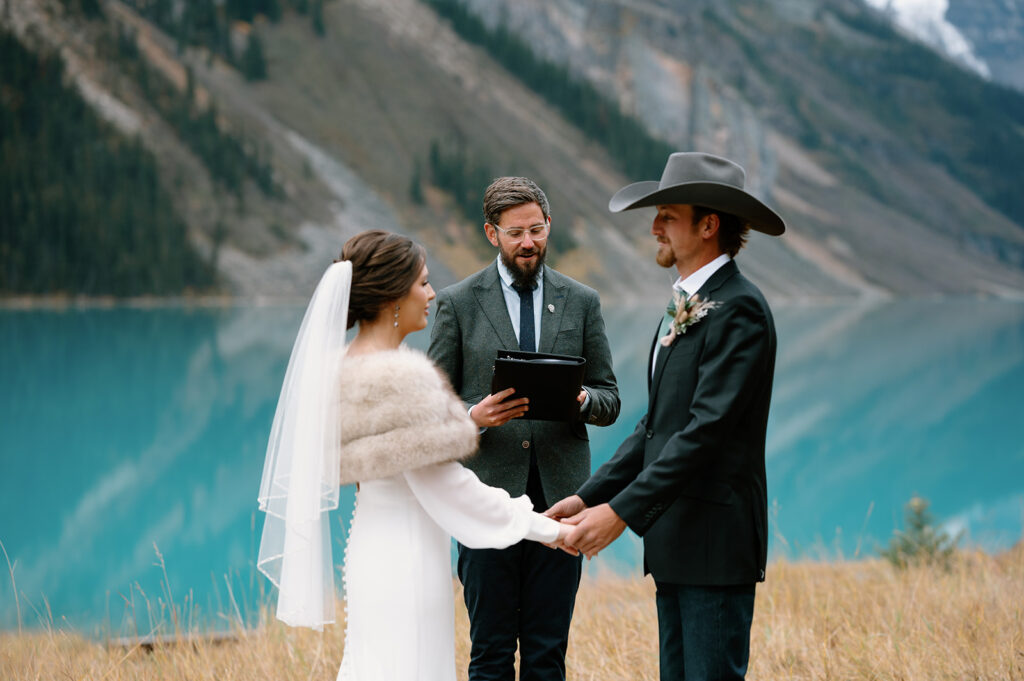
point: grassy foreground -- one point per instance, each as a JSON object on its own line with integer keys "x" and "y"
{"x": 848, "y": 620}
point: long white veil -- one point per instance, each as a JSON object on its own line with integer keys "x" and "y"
{"x": 300, "y": 474}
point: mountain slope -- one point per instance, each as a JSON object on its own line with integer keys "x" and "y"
{"x": 885, "y": 157}
{"x": 72, "y": 192}
{"x": 348, "y": 120}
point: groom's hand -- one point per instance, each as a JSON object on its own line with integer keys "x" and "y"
{"x": 596, "y": 528}
{"x": 496, "y": 410}
{"x": 568, "y": 506}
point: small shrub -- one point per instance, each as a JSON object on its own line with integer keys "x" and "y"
{"x": 920, "y": 543}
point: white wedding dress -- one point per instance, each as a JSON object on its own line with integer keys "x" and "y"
{"x": 400, "y": 621}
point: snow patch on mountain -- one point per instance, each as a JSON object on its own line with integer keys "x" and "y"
{"x": 926, "y": 20}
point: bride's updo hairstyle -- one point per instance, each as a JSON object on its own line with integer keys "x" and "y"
{"x": 384, "y": 267}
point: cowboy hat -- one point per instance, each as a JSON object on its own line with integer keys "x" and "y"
{"x": 701, "y": 180}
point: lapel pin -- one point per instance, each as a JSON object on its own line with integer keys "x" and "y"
{"x": 551, "y": 308}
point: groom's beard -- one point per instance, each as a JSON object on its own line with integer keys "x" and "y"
{"x": 665, "y": 256}
{"x": 524, "y": 276}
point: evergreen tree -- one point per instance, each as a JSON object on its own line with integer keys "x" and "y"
{"x": 271, "y": 9}
{"x": 82, "y": 209}
{"x": 639, "y": 153}
{"x": 160, "y": 11}
{"x": 240, "y": 10}
{"x": 921, "y": 542}
{"x": 202, "y": 22}
{"x": 416, "y": 184}
{"x": 229, "y": 158}
{"x": 254, "y": 64}
{"x": 91, "y": 9}
{"x": 317, "y": 16}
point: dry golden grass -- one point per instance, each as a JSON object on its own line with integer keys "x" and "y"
{"x": 848, "y": 620}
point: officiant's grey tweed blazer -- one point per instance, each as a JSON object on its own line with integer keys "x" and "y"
{"x": 472, "y": 323}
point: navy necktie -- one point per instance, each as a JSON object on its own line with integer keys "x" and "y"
{"x": 528, "y": 343}
{"x": 527, "y": 333}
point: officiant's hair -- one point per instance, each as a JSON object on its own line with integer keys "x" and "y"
{"x": 385, "y": 266}
{"x": 509, "y": 192}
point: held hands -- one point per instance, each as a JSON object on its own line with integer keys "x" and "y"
{"x": 596, "y": 528}
{"x": 496, "y": 410}
{"x": 563, "y": 531}
{"x": 563, "y": 509}
{"x": 566, "y": 508}
{"x": 592, "y": 529}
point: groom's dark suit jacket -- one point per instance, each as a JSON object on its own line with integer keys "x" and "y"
{"x": 691, "y": 478}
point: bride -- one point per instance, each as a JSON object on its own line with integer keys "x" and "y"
{"x": 382, "y": 416}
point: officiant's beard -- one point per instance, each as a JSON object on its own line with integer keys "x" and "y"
{"x": 523, "y": 276}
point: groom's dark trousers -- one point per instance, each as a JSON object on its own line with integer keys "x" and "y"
{"x": 704, "y": 631}
{"x": 523, "y": 596}
{"x": 690, "y": 480}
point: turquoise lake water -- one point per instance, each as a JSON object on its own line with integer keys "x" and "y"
{"x": 135, "y": 437}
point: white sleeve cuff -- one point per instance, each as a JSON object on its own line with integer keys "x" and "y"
{"x": 542, "y": 529}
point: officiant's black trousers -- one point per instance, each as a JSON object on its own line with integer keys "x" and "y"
{"x": 523, "y": 594}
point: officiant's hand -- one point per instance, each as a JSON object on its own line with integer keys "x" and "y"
{"x": 497, "y": 409}
{"x": 596, "y": 528}
{"x": 565, "y": 508}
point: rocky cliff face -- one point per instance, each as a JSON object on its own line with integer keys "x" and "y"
{"x": 809, "y": 97}
{"x": 929, "y": 22}
{"x": 872, "y": 166}
{"x": 639, "y": 54}
{"x": 985, "y": 36}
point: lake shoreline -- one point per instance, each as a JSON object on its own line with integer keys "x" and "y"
{"x": 67, "y": 302}
{"x": 87, "y": 302}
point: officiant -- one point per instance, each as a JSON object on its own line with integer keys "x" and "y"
{"x": 522, "y": 596}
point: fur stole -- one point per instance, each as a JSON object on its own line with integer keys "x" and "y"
{"x": 399, "y": 413}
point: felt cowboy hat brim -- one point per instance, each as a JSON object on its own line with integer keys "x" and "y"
{"x": 701, "y": 180}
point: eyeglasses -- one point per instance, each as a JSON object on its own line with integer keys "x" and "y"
{"x": 517, "y": 234}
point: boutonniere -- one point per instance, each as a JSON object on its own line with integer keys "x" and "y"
{"x": 686, "y": 313}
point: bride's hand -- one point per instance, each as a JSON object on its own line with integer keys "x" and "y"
{"x": 559, "y": 543}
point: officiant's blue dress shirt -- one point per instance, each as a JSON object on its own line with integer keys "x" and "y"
{"x": 512, "y": 301}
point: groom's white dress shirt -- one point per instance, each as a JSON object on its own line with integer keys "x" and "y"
{"x": 688, "y": 286}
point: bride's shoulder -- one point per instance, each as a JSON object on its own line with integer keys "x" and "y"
{"x": 401, "y": 358}
{"x": 401, "y": 367}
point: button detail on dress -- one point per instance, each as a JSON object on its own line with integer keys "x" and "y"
{"x": 526, "y": 444}
{"x": 650, "y": 434}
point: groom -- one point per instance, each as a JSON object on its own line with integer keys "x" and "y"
{"x": 691, "y": 478}
{"x": 523, "y": 595}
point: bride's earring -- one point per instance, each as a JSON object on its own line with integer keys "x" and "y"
{"x": 396, "y": 315}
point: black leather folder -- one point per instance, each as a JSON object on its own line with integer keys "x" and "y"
{"x": 552, "y": 382}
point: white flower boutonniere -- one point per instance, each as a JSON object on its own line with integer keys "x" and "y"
{"x": 686, "y": 313}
